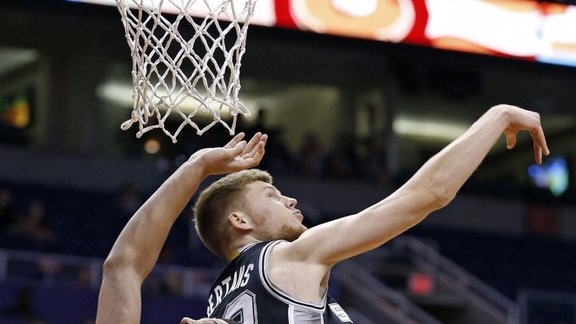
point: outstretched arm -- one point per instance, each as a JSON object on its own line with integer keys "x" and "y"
{"x": 137, "y": 247}
{"x": 433, "y": 186}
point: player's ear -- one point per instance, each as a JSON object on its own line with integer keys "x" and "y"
{"x": 240, "y": 220}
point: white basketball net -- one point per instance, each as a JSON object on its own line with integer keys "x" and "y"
{"x": 185, "y": 66}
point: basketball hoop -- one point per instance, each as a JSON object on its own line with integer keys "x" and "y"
{"x": 185, "y": 66}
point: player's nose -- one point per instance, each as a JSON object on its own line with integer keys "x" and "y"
{"x": 290, "y": 202}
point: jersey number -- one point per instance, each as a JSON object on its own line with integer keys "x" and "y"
{"x": 243, "y": 309}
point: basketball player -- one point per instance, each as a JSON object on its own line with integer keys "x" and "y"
{"x": 187, "y": 320}
{"x": 278, "y": 271}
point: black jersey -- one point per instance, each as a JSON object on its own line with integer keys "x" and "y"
{"x": 244, "y": 293}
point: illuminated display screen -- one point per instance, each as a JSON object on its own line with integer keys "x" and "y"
{"x": 522, "y": 29}
{"x": 16, "y": 115}
{"x": 553, "y": 175}
{"x": 16, "y": 109}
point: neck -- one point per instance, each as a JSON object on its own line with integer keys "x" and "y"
{"x": 234, "y": 255}
{"x": 238, "y": 246}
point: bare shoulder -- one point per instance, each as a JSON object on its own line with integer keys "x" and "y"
{"x": 284, "y": 253}
{"x": 294, "y": 275}
{"x": 290, "y": 258}
{"x": 301, "y": 251}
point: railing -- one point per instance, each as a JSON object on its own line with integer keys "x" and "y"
{"x": 537, "y": 307}
{"x": 52, "y": 269}
{"x": 384, "y": 299}
{"x": 453, "y": 275}
{"x": 49, "y": 269}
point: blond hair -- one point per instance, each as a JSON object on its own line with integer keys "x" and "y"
{"x": 217, "y": 201}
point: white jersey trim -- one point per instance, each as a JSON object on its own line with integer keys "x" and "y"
{"x": 279, "y": 293}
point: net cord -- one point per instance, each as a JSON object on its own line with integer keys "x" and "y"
{"x": 161, "y": 85}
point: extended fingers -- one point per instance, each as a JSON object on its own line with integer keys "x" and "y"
{"x": 253, "y": 142}
{"x": 255, "y": 147}
{"x": 235, "y": 140}
{"x": 538, "y": 139}
{"x": 257, "y": 152}
{"x": 255, "y": 156}
{"x": 529, "y": 121}
{"x": 537, "y": 154}
{"x": 539, "y": 144}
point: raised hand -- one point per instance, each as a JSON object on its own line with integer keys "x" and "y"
{"x": 234, "y": 156}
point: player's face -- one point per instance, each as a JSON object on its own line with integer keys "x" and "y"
{"x": 275, "y": 216}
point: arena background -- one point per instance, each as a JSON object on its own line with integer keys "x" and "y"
{"x": 349, "y": 120}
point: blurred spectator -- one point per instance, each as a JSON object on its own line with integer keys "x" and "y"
{"x": 167, "y": 280}
{"x": 7, "y": 209}
{"x": 23, "y": 308}
{"x": 48, "y": 268}
{"x": 542, "y": 219}
{"x": 373, "y": 161}
{"x": 342, "y": 161}
{"x": 277, "y": 158}
{"x": 129, "y": 198}
{"x": 259, "y": 125}
{"x": 84, "y": 278}
{"x": 172, "y": 283}
{"x": 310, "y": 157}
{"x": 88, "y": 321}
{"x": 32, "y": 226}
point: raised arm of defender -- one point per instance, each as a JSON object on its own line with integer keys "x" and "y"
{"x": 137, "y": 248}
{"x": 433, "y": 186}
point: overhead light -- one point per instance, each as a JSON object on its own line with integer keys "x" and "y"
{"x": 12, "y": 58}
{"x": 441, "y": 130}
{"x": 152, "y": 146}
{"x": 120, "y": 93}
